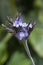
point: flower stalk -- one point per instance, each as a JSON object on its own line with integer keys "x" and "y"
{"x": 28, "y": 51}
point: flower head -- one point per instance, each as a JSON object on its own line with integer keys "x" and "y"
{"x": 19, "y": 28}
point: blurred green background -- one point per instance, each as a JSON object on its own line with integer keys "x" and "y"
{"x": 12, "y": 51}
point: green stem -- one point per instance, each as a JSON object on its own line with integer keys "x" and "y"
{"x": 28, "y": 51}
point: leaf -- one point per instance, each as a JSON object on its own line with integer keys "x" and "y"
{"x": 3, "y": 53}
{"x": 3, "y": 49}
{"x": 39, "y": 3}
{"x": 36, "y": 39}
{"x": 19, "y": 59}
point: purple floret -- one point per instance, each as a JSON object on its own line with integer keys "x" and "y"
{"x": 19, "y": 22}
{"x": 23, "y": 33}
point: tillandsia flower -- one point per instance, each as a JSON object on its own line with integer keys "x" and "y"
{"x": 18, "y": 28}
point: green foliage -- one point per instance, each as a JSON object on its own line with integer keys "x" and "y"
{"x": 36, "y": 39}
{"x": 18, "y": 59}
{"x": 11, "y": 51}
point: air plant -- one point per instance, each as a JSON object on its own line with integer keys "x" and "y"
{"x": 21, "y": 31}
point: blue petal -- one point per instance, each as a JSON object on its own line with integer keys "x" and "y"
{"x": 24, "y": 25}
{"x": 30, "y": 25}
{"x": 23, "y": 33}
{"x": 20, "y": 35}
{"x": 17, "y": 23}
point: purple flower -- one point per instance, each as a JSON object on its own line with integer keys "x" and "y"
{"x": 19, "y": 22}
{"x": 23, "y": 33}
{"x": 19, "y": 28}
